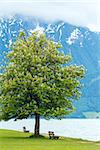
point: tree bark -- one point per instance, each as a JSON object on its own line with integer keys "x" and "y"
{"x": 37, "y": 125}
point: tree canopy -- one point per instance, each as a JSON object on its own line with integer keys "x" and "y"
{"x": 38, "y": 79}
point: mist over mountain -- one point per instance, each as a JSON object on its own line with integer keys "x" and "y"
{"x": 81, "y": 43}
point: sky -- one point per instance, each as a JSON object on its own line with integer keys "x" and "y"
{"x": 85, "y": 13}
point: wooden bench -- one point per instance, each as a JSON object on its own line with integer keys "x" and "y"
{"x": 24, "y": 129}
{"x": 52, "y": 135}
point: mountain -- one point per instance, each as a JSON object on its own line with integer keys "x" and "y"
{"x": 83, "y": 44}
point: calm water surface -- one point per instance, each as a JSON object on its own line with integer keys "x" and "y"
{"x": 78, "y": 128}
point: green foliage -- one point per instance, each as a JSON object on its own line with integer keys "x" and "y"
{"x": 38, "y": 80}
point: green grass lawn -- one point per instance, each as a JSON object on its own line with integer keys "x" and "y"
{"x": 14, "y": 140}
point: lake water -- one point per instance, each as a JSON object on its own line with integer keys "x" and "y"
{"x": 77, "y": 128}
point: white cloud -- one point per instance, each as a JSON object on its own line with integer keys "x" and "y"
{"x": 94, "y": 27}
{"x": 79, "y": 12}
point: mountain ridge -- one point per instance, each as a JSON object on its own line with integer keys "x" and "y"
{"x": 81, "y": 43}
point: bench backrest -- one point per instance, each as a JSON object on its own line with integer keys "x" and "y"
{"x": 51, "y": 134}
{"x": 24, "y": 129}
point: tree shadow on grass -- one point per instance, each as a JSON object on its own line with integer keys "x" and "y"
{"x": 24, "y": 137}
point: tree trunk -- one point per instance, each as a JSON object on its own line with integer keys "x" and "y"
{"x": 37, "y": 125}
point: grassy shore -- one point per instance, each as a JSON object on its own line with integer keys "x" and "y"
{"x": 14, "y": 140}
